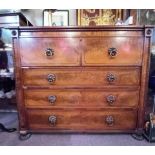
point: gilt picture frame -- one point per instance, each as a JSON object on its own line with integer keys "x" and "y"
{"x": 93, "y": 17}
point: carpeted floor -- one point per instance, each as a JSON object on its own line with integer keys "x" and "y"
{"x": 11, "y": 139}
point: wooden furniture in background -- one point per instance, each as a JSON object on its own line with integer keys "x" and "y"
{"x": 13, "y": 19}
{"x": 82, "y": 79}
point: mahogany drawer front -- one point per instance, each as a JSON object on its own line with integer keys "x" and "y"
{"x": 82, "y": 77}
{"x": 81, "y": 98}
{"x": 112, "y": 51}
{"x": 49, "y": 51}
{"x": 82, "y": 119}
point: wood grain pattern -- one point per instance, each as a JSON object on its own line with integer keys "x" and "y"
{"x": 66, "y": 51}
{"x": 94, "y": 50}
{"x": 19, "y": 95}
{"x": 81, "y": 31}
{"x": 129, "y": 51}
{"x": 86, "y": 120}
{"x": 81, "y": 69}
{"x": 81, "y": 98}
{"x": 82, "y": 77}
{"x": 144, "y": 81}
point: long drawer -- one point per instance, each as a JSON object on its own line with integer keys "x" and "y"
{"x": 81, "y": 98}
{"x": 82, "y": 120}
{"x": 92, "y": 77}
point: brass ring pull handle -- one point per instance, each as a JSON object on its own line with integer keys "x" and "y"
{"x": 111, "y": 78}
{"x": 111, "y": 99}
{"x": 52, "y": 120}
{"x": 112, "y": 52}
{"x": 109, "y": 120}
{"x": 51, "y": 78}
{"x": 52, "y": 99}
{"x": 49, "y": 52}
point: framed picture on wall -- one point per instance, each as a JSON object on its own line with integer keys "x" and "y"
{"x": 55, "y": 17}
{"x": 146, "y": 16}
{"x": 93, "y": 17}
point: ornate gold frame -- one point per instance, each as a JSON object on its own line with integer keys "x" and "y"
{"x": 103, "y": 17}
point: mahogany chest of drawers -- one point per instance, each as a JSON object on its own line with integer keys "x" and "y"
{"x": 81, "y": 79}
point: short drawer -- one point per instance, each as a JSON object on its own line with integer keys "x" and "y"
{"x": 49, "y": 51}
{"x": 81, "y": 98}
{"x": 112, "y": 51}
{"x": 82, "y": 119}
{"x": 91, "y": 77}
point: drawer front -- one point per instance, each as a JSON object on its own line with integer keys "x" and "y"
{"x": 49, "y": 51}
{"x": 81, "y": 98}
{"x": 112, "y": 51}
{"x": 84, "y": 120}
{"x": 82, "y": 77}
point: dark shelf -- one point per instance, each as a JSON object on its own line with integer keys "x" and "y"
{"x": 8, "y": 105}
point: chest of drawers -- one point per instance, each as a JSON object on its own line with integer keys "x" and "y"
{"x": 81, "y": 79}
